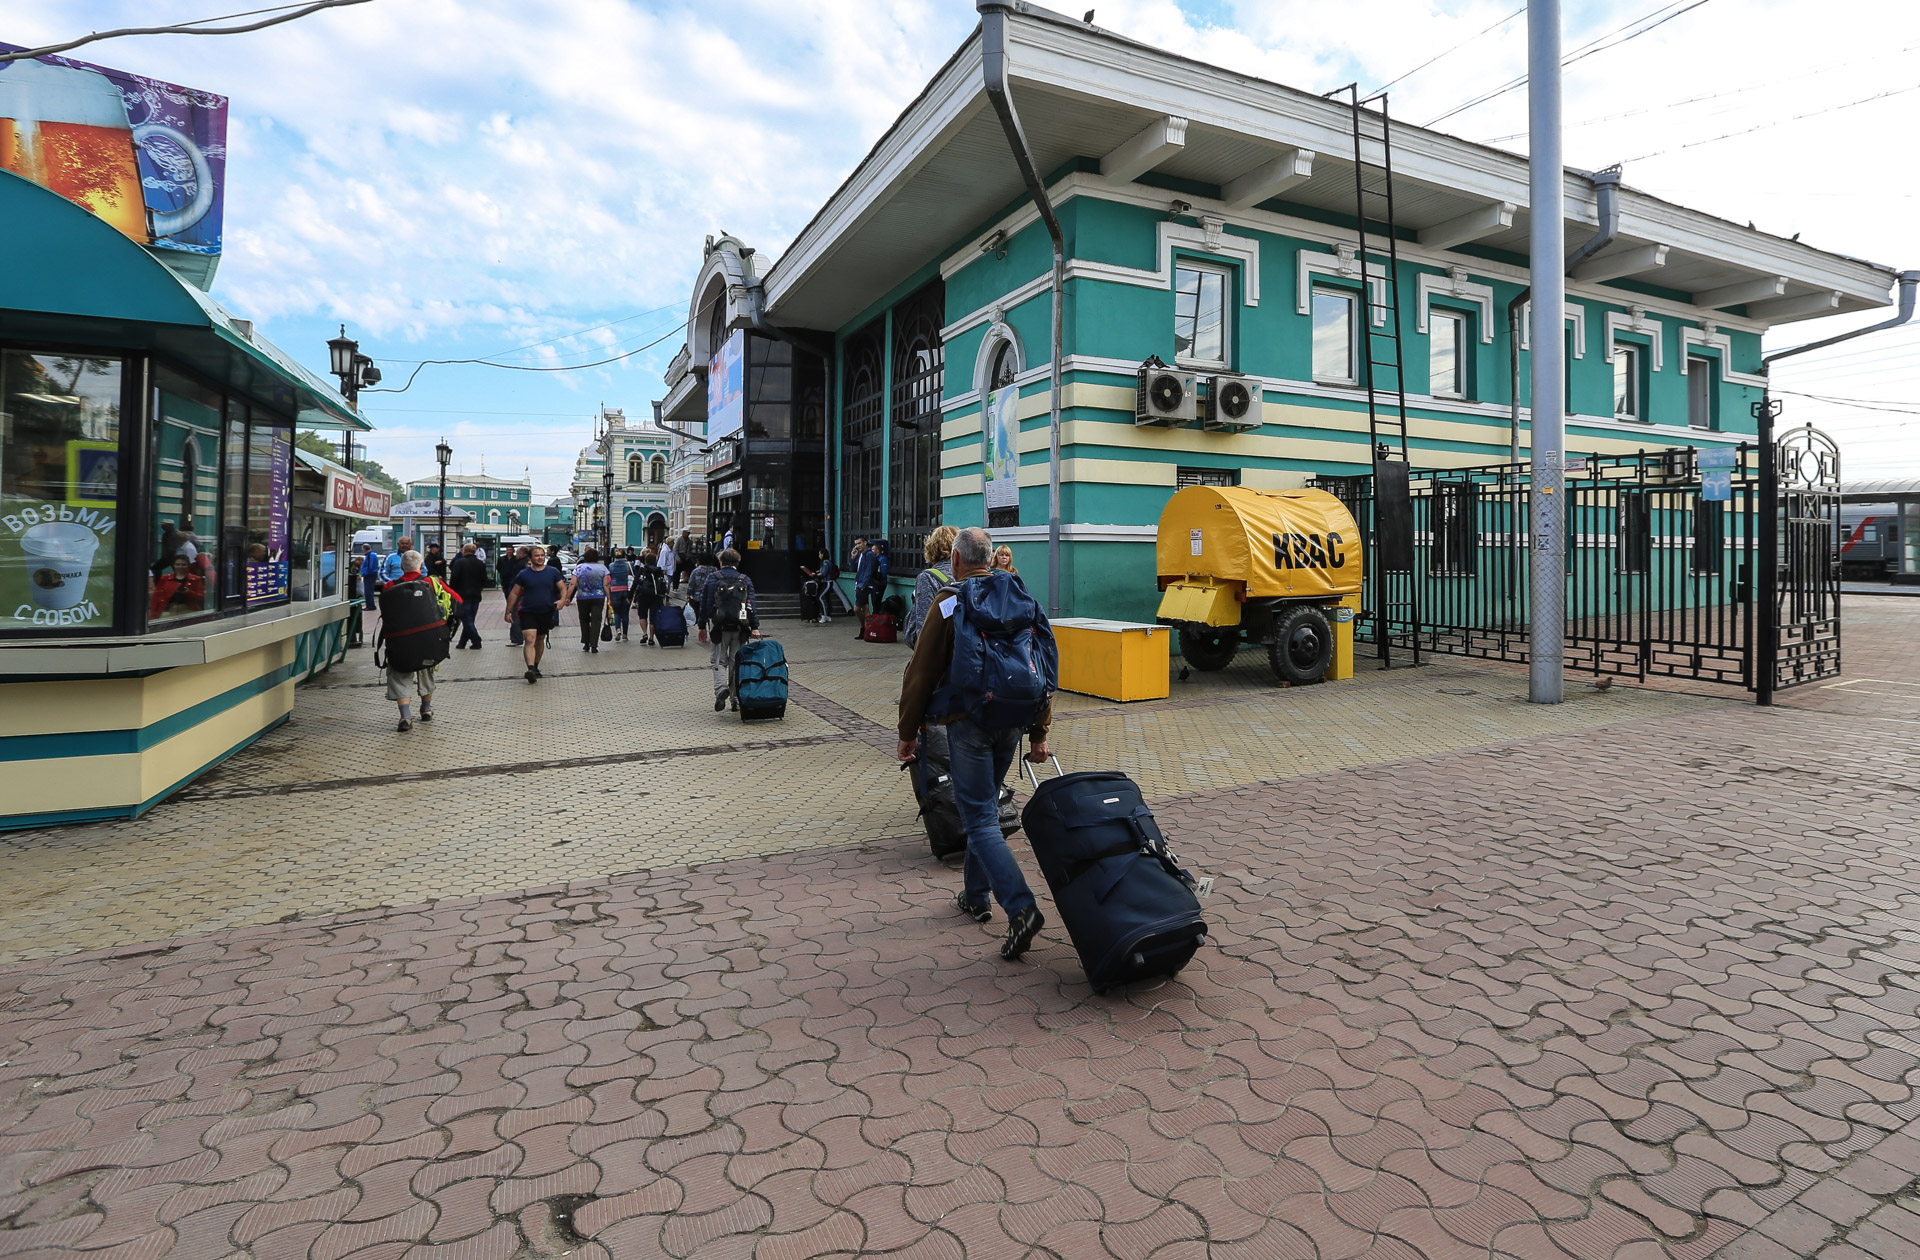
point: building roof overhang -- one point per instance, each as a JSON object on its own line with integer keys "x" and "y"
{"x": 73, "y": 278}
{"x": 943, "y": 170}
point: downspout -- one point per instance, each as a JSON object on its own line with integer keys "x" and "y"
{"x": 757, "y": 313}
{"x": 993, "y": 66}
{"x": 1909, "y": 280}
{"x": 1606, "y": 185}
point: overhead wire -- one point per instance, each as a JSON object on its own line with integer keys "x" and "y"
{"x": 196, "y": 27}
{"x": 1659, "y": 17}
{"x": 562, "y": 337}
{"x": 1449, "y": 52}
{"x": 1778, "y": 122}
{"x": 523, "y": 367}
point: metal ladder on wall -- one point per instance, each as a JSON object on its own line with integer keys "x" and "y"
{"x": 1397, "y": 602}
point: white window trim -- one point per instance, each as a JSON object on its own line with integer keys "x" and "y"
{"x": 1685, "y": 364}
{"x": 1710, "y": 338}
{"x": 1455, "y": 285}
{"x": 999, "y": 333}
{"x": 1460, "y": 357}
{"x": 1639, "y": 389}
{"x": 1634, "y": 320}
{"x": 1353, "y": 298}
{"x": 1576, "y": 315}
{"x": 1227, "y": 277}
{"x": 1344, "y": 264}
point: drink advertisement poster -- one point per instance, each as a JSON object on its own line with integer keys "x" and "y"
{"x": 1000, "y": 448}
{"x": 268, "y": 570}
{"x": 726, "y": 388}
{"x": 148, "y": 157}
{"x": 56, "y": 564}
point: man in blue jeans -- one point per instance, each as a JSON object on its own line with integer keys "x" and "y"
{"x": 980, "y": 759}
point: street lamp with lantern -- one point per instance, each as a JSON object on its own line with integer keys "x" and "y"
{"x": 444, "y": 454}
{"x": 356, "y": 372}
{"x": 606, "y": 528}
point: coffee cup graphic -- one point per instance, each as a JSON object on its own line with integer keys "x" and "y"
{"x": 59, "y": 560}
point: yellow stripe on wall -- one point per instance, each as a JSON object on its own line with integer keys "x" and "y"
{"x": 119, "y": 704}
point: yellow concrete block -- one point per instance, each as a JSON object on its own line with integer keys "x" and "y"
{"x": 1343, "y": 614}
{"x": 1116, "y": 660}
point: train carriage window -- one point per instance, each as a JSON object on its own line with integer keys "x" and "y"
{"x": 1633, "y": 552}
{"x": 1455, "y": 533}
{"x": 1707, "y": 538}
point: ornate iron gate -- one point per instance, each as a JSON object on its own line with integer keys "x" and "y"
{"x": 1665, "y": 572}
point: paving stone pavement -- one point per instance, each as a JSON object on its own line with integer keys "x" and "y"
{"x": 1644, "y": 985}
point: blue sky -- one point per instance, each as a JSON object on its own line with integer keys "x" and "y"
{"x": 532, "y": 179}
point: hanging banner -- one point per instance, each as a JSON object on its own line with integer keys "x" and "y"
{"x": 1000, "y": 448}
{"x": 147, "y": 156}
{"x": 726, "y": 388}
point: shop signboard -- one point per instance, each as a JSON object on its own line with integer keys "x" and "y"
{"x": 268, "y": 569}
{"x": 147, "y": 156}
{"x": 726, "y": 388}
{"x": 1000, "y": 448}
{"x": 350, "y": 496}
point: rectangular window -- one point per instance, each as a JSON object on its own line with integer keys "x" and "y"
{"x": 1456, "y": 536}
{"x": 1701, "y": 372}
{"x": 183, "y": 567}
{"x": 1333, "y": 337}
{"x": 1447, "y": 338}
{"x": 1633, "y": 533}
{"x": 1206, "y": 477}
{"x": 59, "y": 489}
{"x": 1628, "y": 400}
{"x": 1200, "y": 295}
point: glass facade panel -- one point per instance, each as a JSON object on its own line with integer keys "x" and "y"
{"x": 185, "y": 469}
{"x": 919, "y": 376}
{"x": 59, "y": 489}
{"x": 860, "y": 437}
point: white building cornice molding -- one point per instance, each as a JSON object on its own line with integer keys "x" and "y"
{"x": 1456, "y": 286}
{"x": 1576, "y": 315}
{"x": 1634, "y": 320}
{"x": 1344, "y": 264}
{"x": 1711, "y": 338}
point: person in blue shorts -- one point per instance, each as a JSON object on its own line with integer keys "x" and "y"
{"x": 538, "y": 594}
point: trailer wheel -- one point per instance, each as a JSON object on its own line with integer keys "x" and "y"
{"x": 1302, "y": 646}
{"x": 1208, "y": 650}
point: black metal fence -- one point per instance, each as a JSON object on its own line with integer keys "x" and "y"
{"x": 1661, "y": 567}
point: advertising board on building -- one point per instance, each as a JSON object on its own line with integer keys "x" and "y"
{"x": 1000, "y": 448}
{"x": 726, "y": 388}
{"x": 147, "y": 156}
{"x": 350, "y": 496}
{"x": 268, "y": 563}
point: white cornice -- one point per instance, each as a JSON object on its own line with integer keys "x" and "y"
{"x": 1456, "y": 286}
{"x": 1714, "y": 339}
{"x": 1634, "y": 320}
{"x": 1343, "y": 264}
{"x": 1576, "y": 315}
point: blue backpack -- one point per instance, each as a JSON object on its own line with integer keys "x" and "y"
{"x": 1005, "y": 665}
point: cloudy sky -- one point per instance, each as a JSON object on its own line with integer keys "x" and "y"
{"x": 531, "y": 180}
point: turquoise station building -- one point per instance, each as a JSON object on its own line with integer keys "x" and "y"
{"x": 1208, "y": 223}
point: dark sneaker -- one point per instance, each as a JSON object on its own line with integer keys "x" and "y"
{"x": 720, "y": 702}
{"x": 426, "y": 715}
{"x": 1021, "y": 931}
{"x": 533, "y": 675}
{"x": 404, "y": 726}
{"x": 980, "y": 913}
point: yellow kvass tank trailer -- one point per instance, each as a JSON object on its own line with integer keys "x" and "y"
{"x": 1260, "y": 566}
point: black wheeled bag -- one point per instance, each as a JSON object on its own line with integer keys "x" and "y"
{"x": 1129, "y": 908}
{"x": 413, "y": 630}
{"x": 932, "y": 777}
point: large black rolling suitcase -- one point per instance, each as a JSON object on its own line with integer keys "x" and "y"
{"x": 933, "y": 787}
{"x": 1128, "y": 906}
{"x": 413, "y": 629}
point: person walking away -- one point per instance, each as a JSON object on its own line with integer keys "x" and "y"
{"x": 436, "y": 563}
{"x": 866, "y": 563}
{"x": 370, "y": 586}
{"x": 1003, "y": 560}
{"x": 650, "y": 589}
{"x": 683, "y": 558}
{"x": 404, "y": 686}
{"x": 938, "y": 551}
{"x": 538, "y": 595}
{"x": 392, "y": 569}
{"x": 511, "y": 562}
{"x": 824, "y": 576}
{"x": 467, "y": 575}
{"x": 620, "y": 592}
{"x": 588, "y": 588}
{"x": 726, "y": 614}
{"x": 696, "y": 584}
{"x": 986, "y": 696}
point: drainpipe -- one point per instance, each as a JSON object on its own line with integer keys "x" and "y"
{"x": 1908, "y": 281}
{"x": 993, "y": 64}
{"x": 1606, "y": 186}
{"x": 757, "y": 313}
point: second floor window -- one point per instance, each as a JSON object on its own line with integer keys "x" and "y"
{"x": 636, "y": 468}
{"x": 1447, "y": 335}
{"x": 1200, "y": 314}
{"x": 658, "y": 470}
{"x": 1629, "y": 389}
{"x": 1333, "y": 337}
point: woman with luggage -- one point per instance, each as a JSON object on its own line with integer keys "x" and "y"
{"x": 588, "y": 589}
{"x": 620, "y": 591}
{"x": 938, "y": 553}
{"x": 649, "y": 589}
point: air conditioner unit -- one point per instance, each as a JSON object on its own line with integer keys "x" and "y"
{"x": 1166, "y": 395}
{"x": 1233, "y": 403}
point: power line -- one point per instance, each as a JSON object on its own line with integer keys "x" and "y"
{"x": 521, "y": 367}
{"x": 1456, "y": 48}
{"x": 562, "y": 337}
{"x": 1659, "y": 17}
{"x": 1862, "y": 404}
{"x": 196, "y": 27}
{"x": 1865, "y": 100}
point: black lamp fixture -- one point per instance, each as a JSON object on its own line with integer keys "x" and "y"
{"x": 356, "y": 372}
{"x": 606, "y": 477}
{"x": 444, "y": 454}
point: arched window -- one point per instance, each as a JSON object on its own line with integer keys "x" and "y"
{"x": 717, "y": 322}
{"x": 635, "y": 464}
{"x": 659, "y": 469}
{"x": 1006, "y": 363}
{"x": 493, "y": 517}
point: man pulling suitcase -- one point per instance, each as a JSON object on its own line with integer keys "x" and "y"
{"x": 985, "y": 667}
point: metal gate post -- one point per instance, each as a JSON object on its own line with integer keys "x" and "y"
{"x": 1766, "y": 648}
{"x": 1546, "y": 252}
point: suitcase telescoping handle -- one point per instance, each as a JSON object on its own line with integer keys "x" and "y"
{"x": 1057, "y": 771}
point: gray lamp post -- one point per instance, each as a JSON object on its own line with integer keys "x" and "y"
{"x": 444, "y": 454}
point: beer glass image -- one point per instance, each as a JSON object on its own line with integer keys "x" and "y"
{"x": 59, "y": 557}
{"x": 66, "y": 129}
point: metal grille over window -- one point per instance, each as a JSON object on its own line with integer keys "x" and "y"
{"x": 918, "y": 381}
{"x": 860, "y": 468}
{"x": 1206, "y": 477}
